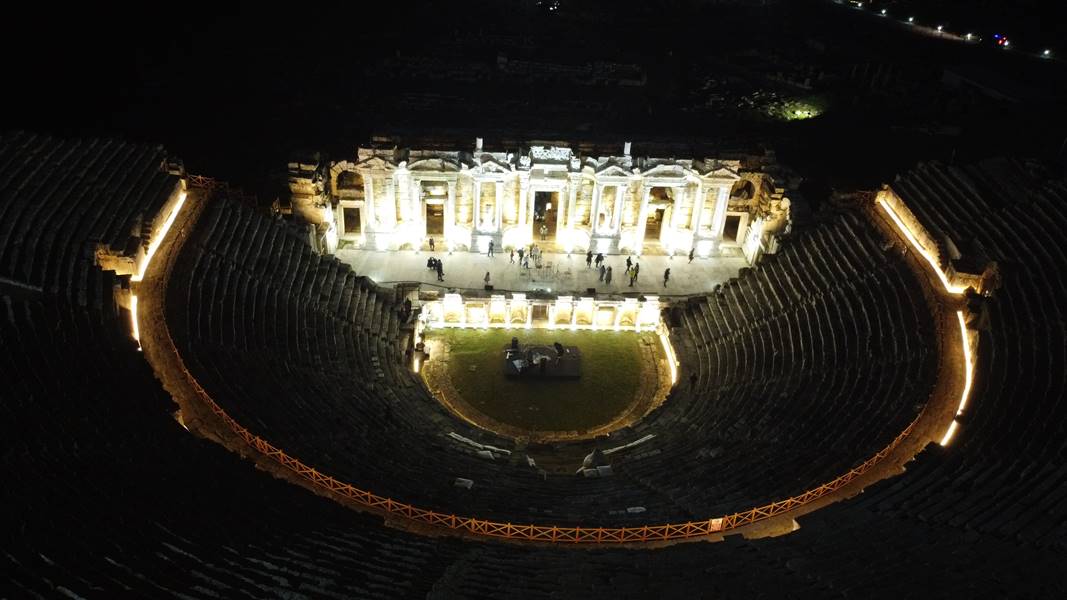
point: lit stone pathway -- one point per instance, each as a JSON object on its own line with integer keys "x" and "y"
{"x": 560, "y": 275}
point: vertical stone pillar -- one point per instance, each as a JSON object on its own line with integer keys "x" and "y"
{"x": 572, "y": 201}
{"x": 477, "y": 217}
{"x": 679, "y": 202}
{"x": 368, "y": 202}
{"x": 498, "y": 210}
{"x": 718, "y": 221}
{"x": 642, "y": 219}
{"x": 698, "y": 209}
{"x": 418, "y": 215}
{"x": 450, "y": 209}
{"x": 524, "y": 190}
{"x": 594, "y": 208}
{"x": 402, "y": 190}
{"x": 621, "y": 192}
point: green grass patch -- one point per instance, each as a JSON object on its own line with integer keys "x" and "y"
{"x": 611, "y": 372}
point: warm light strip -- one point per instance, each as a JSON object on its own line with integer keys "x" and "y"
{"x": 952, "y": 289}
{"x": 133, "y": 320}
{"x": 671, "y": 360}
{"x": 968, "y": 364}
{"x": 948, "y": 434}
{"x": 158, "y": 238}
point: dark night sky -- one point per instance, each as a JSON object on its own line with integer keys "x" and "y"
{"x": 233, "y": 90}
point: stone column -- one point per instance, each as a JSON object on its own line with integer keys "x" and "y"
{"x": 620, "y": 202}
{"x": 450, "y": 209}
{"x": 698, "y": 208}
{"x": 572, "y": 201}
{"x": 642, "y": 219}
{"x": 679, "y": 200}
{"x": 477, "y": 209}
{"x": 524, "y": 190}
{"x": 402, "y": 189}
{"x": 718, "y": 220}
{"x": 594, "y": 208}
{"x": 368, "y": 202}
{"x": 415, "y": 202}
{"x": 391, "y": 195}
{"x": 498, "y": 214}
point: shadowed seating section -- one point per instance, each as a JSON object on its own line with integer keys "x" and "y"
{"x": 802, "y": 378}
{"x": 63, "y": 197}
{"x": 1005, "y": 474}
{"x": 806, "y": 367}
{"x": 108, "y": 496}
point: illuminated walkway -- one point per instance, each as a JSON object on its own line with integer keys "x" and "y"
{"x": 466, "y": 270}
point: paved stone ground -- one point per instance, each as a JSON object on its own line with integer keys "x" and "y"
{"x": 560, "y": 274}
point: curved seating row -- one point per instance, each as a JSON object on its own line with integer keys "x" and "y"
{"x": 109, "y": 496}
{"x": 800, "y": 380}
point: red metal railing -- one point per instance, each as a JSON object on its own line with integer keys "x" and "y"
{"x": 538, "y": 533}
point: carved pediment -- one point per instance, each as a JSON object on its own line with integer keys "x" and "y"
{"x": 492, "y": 165}
{"x": 612, "y": 170}
{"x": 434, "y": 165}
{"x": 665, "y": 170}
{"x": 722, "y": 172}
{"x": 374, "y": 163}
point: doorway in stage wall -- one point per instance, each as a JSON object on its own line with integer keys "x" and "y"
{"x": 546, "y": 209}
{"x": 731, "y": 229}
{"x": 351, "y": 221}
{"x": 435, "y": 220}
{"x": 654, "y": 226}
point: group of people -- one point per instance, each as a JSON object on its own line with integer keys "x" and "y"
{"x": 525, "y": 255}
{"x": 632, "y": 268}
{"x": 597, "y": 261}
{"x": 434, "y": 264}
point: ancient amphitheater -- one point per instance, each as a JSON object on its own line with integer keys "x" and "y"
{"x": 197, "y": 403}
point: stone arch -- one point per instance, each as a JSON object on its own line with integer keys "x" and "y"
{"x": 743, "y": 189}
{"x": 345, "y": 176}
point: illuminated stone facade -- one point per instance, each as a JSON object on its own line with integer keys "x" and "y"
{"x": 391, "y": 198}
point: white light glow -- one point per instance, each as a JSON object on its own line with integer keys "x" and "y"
{"x": 668, "y": 350}
{"x": 948, "y": 434}
{"x": 952, "y": 289}
{"x": 158, "y": 239}
{"x": 704, "y": 248}
{"x": 135, "y": 328}
{"x": 968, "y": 377}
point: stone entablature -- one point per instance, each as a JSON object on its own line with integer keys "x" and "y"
{"x": 392, "y": 198}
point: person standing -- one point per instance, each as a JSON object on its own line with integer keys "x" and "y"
{"x": 637, "y": 269}
{"x": 602, "y": 271}
{"x": 522, "y": 251}
{"x": 633, "y": 277}
{"x": 599, "y": 259}
{"x": 607, "y": 276}
{"x": 691, "y": 254}
{"x": 486, "y": 278}
{"x": 490, "y": 248}
{"x": 666, "y": 276}
{"x": 440, "y": 270}
{"x": 629, "y": 264}
{"x": 544, "y": 232}
{"x": 589, "y": 259}
{"x": 431, "y": 244}
{"x": 512, "y": 257}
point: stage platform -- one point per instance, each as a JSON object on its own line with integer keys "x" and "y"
{"x": 542, "y": 362}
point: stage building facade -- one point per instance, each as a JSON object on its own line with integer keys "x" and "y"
{"x": 389, "y": 198}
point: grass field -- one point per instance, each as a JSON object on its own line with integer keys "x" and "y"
{"x": 611, "y": 372}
